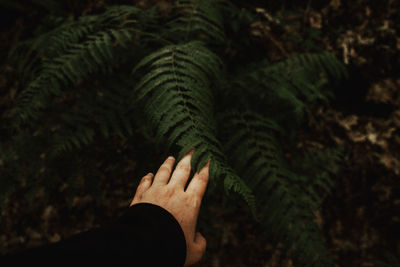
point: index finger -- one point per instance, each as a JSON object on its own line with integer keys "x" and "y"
{"x": 198, "y": 184}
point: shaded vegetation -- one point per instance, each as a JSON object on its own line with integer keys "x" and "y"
{"x": 96, "y": 93}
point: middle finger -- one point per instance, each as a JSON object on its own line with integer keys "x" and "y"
{"x": 164, "y": 172}
{"x": 182, "y": 171}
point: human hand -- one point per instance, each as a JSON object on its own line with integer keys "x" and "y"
{"x": 169, "y": 193}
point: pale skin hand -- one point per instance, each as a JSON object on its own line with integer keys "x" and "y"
{"x": 169, "y": 193}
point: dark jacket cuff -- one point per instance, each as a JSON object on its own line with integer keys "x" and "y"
{"x": 162, "y": 235}
{"x": 145, "y": 236}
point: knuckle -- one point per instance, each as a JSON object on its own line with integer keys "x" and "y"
{"x": 203, "y": 177}
{"x": 145, "y": 194}
{"x": 195, "y": 201}
{"x": 169, "y": 191}
{"x": 184, "y": 167}
{"x": 144, "y": 181}
{"x": 165, "y": 168}
{"x": 146, "y": 178}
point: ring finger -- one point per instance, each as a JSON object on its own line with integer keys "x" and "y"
{"x": 164, "y": 172}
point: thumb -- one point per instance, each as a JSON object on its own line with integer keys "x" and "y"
{"x": 197, "y": 250}
{"x": 201, "y": 243}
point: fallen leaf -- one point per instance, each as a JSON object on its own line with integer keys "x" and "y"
{"x": 372, "y": 137}
{"x": 348, "y": 122}
{"x": 382, "y": 92}
{"x": 335, "y": 4}
{"x": 398, "y": 43}
{"x": 54, "y": 238}
{"x": 315, "y": 20}
{"x": 387, "y": 160}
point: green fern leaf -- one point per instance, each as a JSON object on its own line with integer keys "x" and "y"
{"x": 283, "y": 88}
{"x": 282, "y": 206}
{"x": 390, "y": 259}
{"x": 178, "y": 101}
{"x": 197, "y": 20}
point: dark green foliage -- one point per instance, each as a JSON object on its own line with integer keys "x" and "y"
{"x": 73, "y": 51}
{"x": 284, "y": 88}
{"x": 316, "y": 168}
{"x": 197, "y": 19}
{"x": 180, "y": 106}
{"x": 283, "y": 207}
{"x": 91, "y": 84}
{"x": 389, "y": 259}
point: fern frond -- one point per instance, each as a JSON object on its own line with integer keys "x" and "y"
{"x": 70, "y": 60}
{"x": 102, "y": 108}
{"x": 77, "y": 73}
{"x": 318, "y": 168}
{"x": 299, "y": 75}
{"x": 283, "y": 208}
{"x": 197, "y": 19}
{"x": 72, "y": 32}
{"x": 312, "y": 67}
{"x": 283, "y": 88}
{"x": 390, "y": 259}
{"x": 70, "y": 139}
{"x": 178, "y": 104}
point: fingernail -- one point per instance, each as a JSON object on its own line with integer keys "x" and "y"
{"x": 171, "y": 157}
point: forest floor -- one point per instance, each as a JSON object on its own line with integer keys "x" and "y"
{"x": 360, "y": 219}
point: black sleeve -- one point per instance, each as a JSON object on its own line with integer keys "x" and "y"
{"x": 146, "y": 235}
